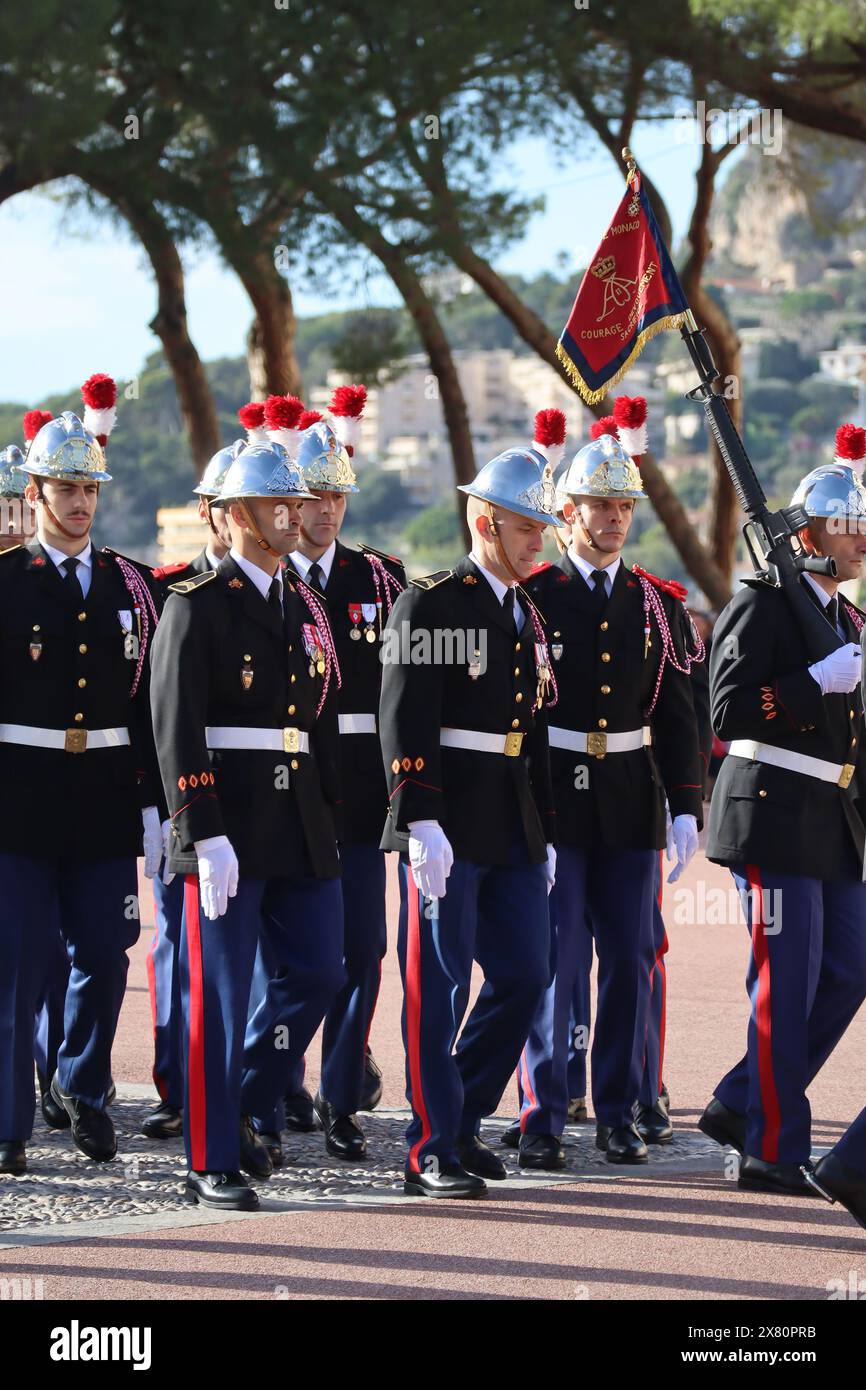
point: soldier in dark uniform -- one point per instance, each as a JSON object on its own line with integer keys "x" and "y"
{"x": 75, "y": 744}
{"x": 623, "y": 737}
{"x": 165, "y": 1121}
{"x": 787, "y": 818}
{"x": 465, "y": 681}
{"x": 244, "y": 703}
{"x": 360, "y": 587}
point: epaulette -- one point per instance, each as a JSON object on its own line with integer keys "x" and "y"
{"x": 541, "y": 567}
{"x": 186, "y": 586}
{"x": 371, "y": 550}
{"x": 429, "y": 581}
{"x": 163, "y": 571}
{"x": 667, "y": 586}
{"x": 10, "y": 549}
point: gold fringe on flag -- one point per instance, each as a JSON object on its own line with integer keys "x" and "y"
{"x": 593, "y": 397}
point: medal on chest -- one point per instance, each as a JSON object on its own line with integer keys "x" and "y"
{"x": 314, "y": 649}
{"x": 355, "y": 620}
{"x": 474, "y": 667}
{"x": 542, "y": 671}
{"x": 247, "y": 672}
{"x": 36, "y": 643}
{"x": 369, "y": 612}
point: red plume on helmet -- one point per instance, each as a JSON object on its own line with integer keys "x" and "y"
{"x": 347, "y": 407}
{"x": 549, "y": 437}
{"x": 606, "y": 425}
{"x": 33, "y": 422}
{"x": 99, "y": 394}
{"x": 252, "y": 417}
{"x": 310, "y": 417}
{"x": 630, "y": 412}
{"x": 282, "y": 414}
{"x": 850, "y": 444}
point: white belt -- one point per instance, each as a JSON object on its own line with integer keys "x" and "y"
{"x": 357, "y": 723}
{"x": 70, "y": 740}
{"x": 839, "y": 773}
{"x": 597, "y": 744}
{"x": 508, "y": 744}
{"x": 272, "y": 740}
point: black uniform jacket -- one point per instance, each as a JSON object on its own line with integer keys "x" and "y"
{"x": 70, "y": 664}
{"x": 761, "y": 689}
{"x": 167, "y": 575}
{"x": 482, "y": 800}
{"x": 223, "y": 658}
{"x": 606, "y": 676}
{"x": 350, "y": 584}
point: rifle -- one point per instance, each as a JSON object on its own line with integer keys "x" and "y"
{"x": 771, "y": 537}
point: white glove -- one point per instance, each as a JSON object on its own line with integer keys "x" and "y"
{"x": 550, "y": 868}
{"x": 217, "y": 874}
{"x": 430, "y": 856}
{"x": 685, "y": 837}
{"x": 152, "y": 841}
{"x": 167, "y": 873}
{"x": 839, "y": 672}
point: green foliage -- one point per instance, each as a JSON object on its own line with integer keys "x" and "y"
{"x": 783, "y": 359}
{"x": 798, "y": 304}
{"x": 435, "y": 528}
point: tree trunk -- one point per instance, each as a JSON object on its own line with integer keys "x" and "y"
{"x": 725, "y": 344}
{"x": 274, "y": 368}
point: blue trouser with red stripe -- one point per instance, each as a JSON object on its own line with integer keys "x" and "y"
{"x": 48, "y": 1023}
{"x": 615, "y": 888}
{"x": 806, "y": 981}
{"x": 498, "y": 917}
{"x": 233, "y": 1067}
{"x": 347, "y": 1022}
{"x": 580, "y": 1017}
{"x": 163, "y": 980}
{"x": 654, "y": 1052}
{"x": 98, "y": 912}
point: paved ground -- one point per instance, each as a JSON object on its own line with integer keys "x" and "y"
{"x": 677, "y": 1229}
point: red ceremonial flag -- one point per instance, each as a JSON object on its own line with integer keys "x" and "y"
{"x": 629, "y": 293}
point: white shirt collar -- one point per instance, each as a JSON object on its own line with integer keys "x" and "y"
{"x": 499, "y": 588}
{"x": 303, "y": 564}
{"x": 213, "y": 560}
{"x": 58, "y": 557}
{"x": 255, "y": 573}
{"x": 586, "y": 569}
{"x": 822, "y": 593}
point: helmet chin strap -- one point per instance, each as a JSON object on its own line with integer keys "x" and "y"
{"x": 500, "y": 548}
{"x": 58, "y": 524}
{"x": 257, "y": 535}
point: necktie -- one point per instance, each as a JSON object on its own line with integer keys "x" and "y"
{"x": 315, "y": 577}
{"x": 71, "y": 580}
{"x": 508, "y": 605}
{"x": 832, "y": 612}
{"x": 275, "y": 596}
{"x": 599, "y": 593}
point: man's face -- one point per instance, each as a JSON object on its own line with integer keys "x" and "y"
{"x": 521, "y": 539}
{"x": 73, "y": 504}
{"x": 606, "y": 519}
{"x": 845, "y": 540}
{"x": 324, "y": 517}
{"x": 219, "y": 522}
{"x": 278, "y": 520}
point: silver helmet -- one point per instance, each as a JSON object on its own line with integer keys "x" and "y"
{"x": 602, "y": 468}
{"x": 263, "y": 470}
{"x": 325, "y": 461}
{"x": 13, "y": 479}
{"x": 214, "y": 474}
{"x": 518, "y": 480}
{"x": 66, "y": 450}
{"x": 832, "y": 490}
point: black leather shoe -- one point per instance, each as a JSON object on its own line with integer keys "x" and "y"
{"x": 13, "y": 1157}
{"x": 475, "y": 1157}
{"x": 652, "y": 1124}
{"x": 228, "y": 1191}
{"x": 300, "y": 1115}
{"x": 723, "y": 1125}
{"x": 510, "y": 1137}
{"x": 92, "y": 1130}
{"x": 756, "y": 1175}
{"x": 371, "y": 1091}
{"x": 451, "y": 1182}
{"x": 164, "y": 1122}
{"x": 111, "y": 1093}
{"x": 664, "y": 1098}
{"x": 344, "y": 1137}
{"x": 53, "y": 1114}
{"x": 274, "y": 1147}
{"x": 838, "y": 1183}
{"x": 577, "y": 1113}
{"x": 621, "y": 1143}
{"x": 255, "y": 1158}
{"x": 540, "y": 1151}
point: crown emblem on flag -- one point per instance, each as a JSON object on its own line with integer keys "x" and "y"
{"x": 604, "y": 267}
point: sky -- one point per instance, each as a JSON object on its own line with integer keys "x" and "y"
{"x": 78, "y": 294}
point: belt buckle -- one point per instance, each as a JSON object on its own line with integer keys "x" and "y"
{"x": 513, "y": 744}
{"x": 596, "y": 745}
{"x": 290, "y": 740}
{"x": 76, "y": 741}
{"x": 846, "y": 774}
